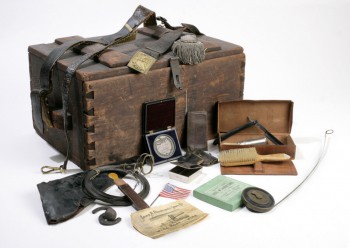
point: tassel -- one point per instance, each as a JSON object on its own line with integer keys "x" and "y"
{"x": 189, "y": 50}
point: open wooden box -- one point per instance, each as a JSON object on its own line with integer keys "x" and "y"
{"x": 275, "y": 115}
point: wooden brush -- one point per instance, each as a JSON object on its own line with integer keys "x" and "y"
{"x": 247, "y": 156}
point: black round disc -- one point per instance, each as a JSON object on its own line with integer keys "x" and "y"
{"x": 257, "y": 200}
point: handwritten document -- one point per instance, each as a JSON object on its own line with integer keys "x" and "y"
{"x": 157, "y": 221}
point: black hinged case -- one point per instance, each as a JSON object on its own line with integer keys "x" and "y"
{"x": 160, "y": 135}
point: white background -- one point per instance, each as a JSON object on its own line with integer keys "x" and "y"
{"x": 296, "y": 50}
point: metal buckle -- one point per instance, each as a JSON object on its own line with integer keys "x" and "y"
{"x": 141, "y": 62}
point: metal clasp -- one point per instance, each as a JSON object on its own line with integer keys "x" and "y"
{"x": 139, "y": 165}
{"x": 141, "y": 161}
{"x": 51, "y": 169}
{"x": 175, "y": 71}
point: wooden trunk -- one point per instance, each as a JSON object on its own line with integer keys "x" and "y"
{"x": 106, "y": 97}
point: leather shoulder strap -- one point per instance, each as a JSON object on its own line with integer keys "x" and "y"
{"x": 38, "y": 96}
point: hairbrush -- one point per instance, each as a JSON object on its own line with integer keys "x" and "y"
{"x": 248, "y": 156}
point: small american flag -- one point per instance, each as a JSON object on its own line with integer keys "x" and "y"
{"x": 174, "y": 192}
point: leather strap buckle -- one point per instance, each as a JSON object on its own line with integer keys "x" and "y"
{"x": 175, "y": 71}
{"x": 141, "y": 62}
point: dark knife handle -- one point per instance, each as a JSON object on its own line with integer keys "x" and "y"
{"x": 269, "y": 135}
{"x": 234, "y": 131}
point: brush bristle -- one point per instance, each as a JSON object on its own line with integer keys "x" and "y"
{"x": 242, "y": 156}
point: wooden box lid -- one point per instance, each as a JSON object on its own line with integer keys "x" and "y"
{"x": 113, "y": 62}
{"x": 275, "y": 115}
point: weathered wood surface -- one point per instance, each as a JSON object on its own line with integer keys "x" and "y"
{"x": 106, "y": 98}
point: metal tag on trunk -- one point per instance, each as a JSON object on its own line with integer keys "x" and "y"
{"x": 141, "y": 62}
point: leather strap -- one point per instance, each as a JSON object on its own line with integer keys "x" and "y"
{"x": 137, "y": 202}
{"x": 124, "y": 34}
{"x": 41, "y": 114}
{"x": 93, "y": 192}
{"x": 159, "y": 47}
{"x": 40, "y": 108}
{"x": 141, "y": 15}
{"x": 143, "y": 60}
{"x": 175, "y": 71}
{"x": 187, "y": 27}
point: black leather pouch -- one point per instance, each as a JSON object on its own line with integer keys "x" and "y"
{"x": 64, "y": 198}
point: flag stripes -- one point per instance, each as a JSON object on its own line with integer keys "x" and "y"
{"x": 174, "y": 192}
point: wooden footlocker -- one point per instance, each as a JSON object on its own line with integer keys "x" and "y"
{"x": 104, "y": 118}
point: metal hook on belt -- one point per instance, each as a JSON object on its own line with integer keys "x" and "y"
{"x": 138, "y": 166}
{"x": 141, "y": 161}
{"x": 109, "y": 217}
{"x": 51, "y": 169}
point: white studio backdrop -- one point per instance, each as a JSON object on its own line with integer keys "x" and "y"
{"x": 295, "y": 50}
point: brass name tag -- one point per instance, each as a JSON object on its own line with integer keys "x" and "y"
{"x": 141, "y": 62}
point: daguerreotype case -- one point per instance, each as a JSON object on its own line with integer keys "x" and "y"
{"x": 161, "y": 138}
{"x": 276, "y": 116}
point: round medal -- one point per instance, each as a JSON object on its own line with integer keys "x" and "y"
{"x": 164, "y": 146}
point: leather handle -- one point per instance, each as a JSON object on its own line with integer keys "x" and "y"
{"x": 137, "y": 202}
{"x": 233, "y": 132}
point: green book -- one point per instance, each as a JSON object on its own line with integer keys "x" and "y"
{"x": 221, "y": 191}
